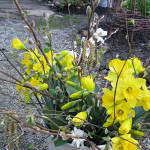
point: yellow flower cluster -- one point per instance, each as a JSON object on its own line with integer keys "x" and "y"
{"x": 128, "y": 91}
{"x": 37, "y": 67}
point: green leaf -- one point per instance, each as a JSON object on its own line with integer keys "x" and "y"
{"x": 60, "y": 142}
{"x": 59, "y": 123}
{"x": 30, "y": 146}
{"x": 46, "y": 50}
{"x": 48, "y": 44}
{"x": 43, "y": 76}
{"x": 29, "y": 121}
{"x": 51, "y": 69}
{"x": 72, "y": 110}
{"x": 140, "y": 114}
{"x": 52, "y": 91}
{"x": 106, "y": 139}
{"x": 96, "y": 89}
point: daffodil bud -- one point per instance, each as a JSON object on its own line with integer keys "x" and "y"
{"x": 79, "y": 95}
{"x": 125, "y": 126}
{"x": 59, "y": 63}
{"x": 88, "y": 11}
{"x": 74, "y": 85}
{"x": 107, "y": 124}
{"x": 96, "y": 3}
{"x": 32, "y": 24}
{"x": 64, "y": 53}
{"x": 43, "y": 87}
{"x": 88, "y": 83}
{"x": 80, "y": 117}
{"x": 27, "y": 98}
{"x": 136, "y": 133}
{"x": 23, "y": 15}
{"x": 138, "y": 126}
{"x": 67, "y": 106}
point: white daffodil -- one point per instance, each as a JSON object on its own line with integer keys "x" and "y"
{"x": 74, "y": 54}
{"x": 98, "y": 35}
{"x": 77, "y": 141}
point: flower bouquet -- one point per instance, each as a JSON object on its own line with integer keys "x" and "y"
{"x": 62, "y": 87}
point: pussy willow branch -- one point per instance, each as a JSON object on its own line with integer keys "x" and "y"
{"x": 38, "y": 43}
{"x": 36, "y": 129}
{"x": 27, "y": 85}
{"x": 10, "y": 76}
{"x": 70, "y": 136}
{"x": 89, "y": 19}
{"x": 12, "y": 65}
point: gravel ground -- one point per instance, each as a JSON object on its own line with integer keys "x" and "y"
{"x": 11, "y": 26}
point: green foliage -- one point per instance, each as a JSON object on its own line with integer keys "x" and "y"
{"x": 76, "y": 3}
{"x": 141, "y": 5}
{"x": 59, "y": 142}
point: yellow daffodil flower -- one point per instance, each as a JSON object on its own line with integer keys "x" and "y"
{"x": 130, "y": 89}
{"x": 136, "y": 64}
{"x": 64, "y": 53}
{"x": 110, "y": 121}
{"x": 108, "y": 98}
{"x": 88, "y": 83}
{"x": 28, "y": 63}
{"x": 125, "y": 126}
{"x": 116, "y": 66}
{"x": 68, "y": 62}
{"x": 127, "y": 143}
{"x": 121, "y": 111}
{"x": 34, "y": 55}
{"x": 41, "y": 66}
{"x": 17, "y": 44}
{"x": 80, "y": 117}
{"x": 36, "y": 82}
{"x": 146, "y": 100}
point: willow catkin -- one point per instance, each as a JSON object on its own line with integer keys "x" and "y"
{"x": 91, "y": 57}
{"x": 5, "y": 132}
{"x": 10, "y": 133}
{"x": 16, "y": 135}
{"x": 85, "y": 43}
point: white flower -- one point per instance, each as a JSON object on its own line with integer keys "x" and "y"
{"x": 46, "y": 38}
{"x": 74, "y": 54}
{"x": 75, "y": 44}
{"x": 76, "y": 141}
{"x": 92, "y": 40}
{"x": 99, "y": 33}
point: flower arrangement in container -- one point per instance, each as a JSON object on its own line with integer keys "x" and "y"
{"x": 62, "y": 88}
